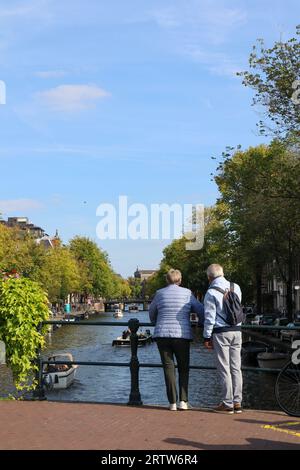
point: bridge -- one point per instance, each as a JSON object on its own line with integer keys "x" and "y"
{"x": 123, "y": 302}
{"x": 41, "y": 424}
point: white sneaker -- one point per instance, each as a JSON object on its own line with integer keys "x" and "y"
{"x": 183, "y": 405}
{"x": 173, "y": 407}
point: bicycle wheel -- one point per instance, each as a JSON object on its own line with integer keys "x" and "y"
{"x": 287, "y": 389}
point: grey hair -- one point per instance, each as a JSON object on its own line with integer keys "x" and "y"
{"x": 215, "y": 270}
{"x": 173, "y": 276}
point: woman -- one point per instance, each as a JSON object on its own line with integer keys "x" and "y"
{"x": 170, "y": 312}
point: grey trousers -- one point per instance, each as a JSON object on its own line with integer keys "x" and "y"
{"x": 227, "y": 347}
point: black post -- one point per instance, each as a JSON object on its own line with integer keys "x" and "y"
{"x": 135, "y": 396}
{"x": 39, "y": 392}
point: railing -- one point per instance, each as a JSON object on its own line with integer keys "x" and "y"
{"x": 134, "y": 364}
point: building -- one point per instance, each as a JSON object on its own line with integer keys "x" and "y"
{"x": 274, "y": 290}
{"x": 144, "y": 274}
{"x": 25, "y": 226}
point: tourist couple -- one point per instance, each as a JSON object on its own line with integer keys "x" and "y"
{"x": 170, "y": 312}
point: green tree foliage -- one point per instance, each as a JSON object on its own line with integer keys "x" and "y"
{"x": 99, "y": 278}
{"x": 273, "y": 75}
{"x": 260, "y": 195}
{"x": 218, "y": 248}
{"x": 23, "y": 305}
{"x": 136, "y": 287}
{"x": 59, "y": 275}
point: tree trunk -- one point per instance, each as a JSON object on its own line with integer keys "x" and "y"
{"x": 289, "y": 285}
{"x": 259, "y": 290}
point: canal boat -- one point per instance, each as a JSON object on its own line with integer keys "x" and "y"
{"x": 117, "y": 311}
{"x": 250, "y": 350}
{"x": 272, "y": 360}
{"x": 124, "y": 340}
{"x": 70, "y": 318}
{"x": 133, "y": 308}
{"x": 194, "y": 319}
{"x": 59, "y": 376}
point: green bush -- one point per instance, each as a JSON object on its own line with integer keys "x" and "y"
{"x": 23, "y": 305}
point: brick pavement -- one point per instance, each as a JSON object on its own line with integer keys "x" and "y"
{"x": 50, "y": 425}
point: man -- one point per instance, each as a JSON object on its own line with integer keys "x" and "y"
{"x": 226, "y": 340}
{"x": 170, "y": 312}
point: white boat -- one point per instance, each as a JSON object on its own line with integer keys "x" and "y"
{"x": 272, "y": 360}
{"x": 194, "y": 319}
{"x": 124, "y": 340}
{"x": 118, "y": 313}
{"x": 59, "y": 376}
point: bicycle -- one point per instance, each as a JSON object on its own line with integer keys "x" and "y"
{"x": 287, "y": 389}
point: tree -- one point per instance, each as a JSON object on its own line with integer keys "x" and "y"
{"x": 135, "y": 286}
{"x": 59, "y": 274}
{"x": 263, "y": 219}
{"x": 98, "y": 277}
{"x": 274, "y": 75}
{"x": 218, "y": 248}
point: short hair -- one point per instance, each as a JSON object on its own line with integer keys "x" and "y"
{"x": 173, "y": 276}
{"x": 215, "y": 270}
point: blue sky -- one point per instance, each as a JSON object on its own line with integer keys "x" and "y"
{"x": 124, "y": 98}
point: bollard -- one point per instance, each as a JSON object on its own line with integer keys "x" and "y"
{"x": 135, "y": 396}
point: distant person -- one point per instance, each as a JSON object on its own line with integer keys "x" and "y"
{"x": 170, "y": 312}
{"x": 224, "y": 335}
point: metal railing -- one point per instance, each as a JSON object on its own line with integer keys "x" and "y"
{"x": 133, "y": 324}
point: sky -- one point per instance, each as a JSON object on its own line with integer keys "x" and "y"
{"x": 130, "y": 98}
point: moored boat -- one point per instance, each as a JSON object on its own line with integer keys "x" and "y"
{"x": 250, "y": 350}
{"x": 272, "y": 360}
{"x": 59, "y": 376}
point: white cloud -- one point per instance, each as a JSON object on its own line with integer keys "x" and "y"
{"x": 68, "y": 98}
{"x": 19, "y": 205}
{"x": 217, "y": 63}
{"x": 206, "y": 19}
{"x": 199, "y": 29}
{"x": 51, "y": 73}
{"x": 18, "y": 9}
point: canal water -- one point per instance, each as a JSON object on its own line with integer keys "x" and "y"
{"x": 112, "y": 384}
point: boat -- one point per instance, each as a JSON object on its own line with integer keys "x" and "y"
{"x": 194, "y": 320}
{"x": 272, "y": 360}
{"x": 133, "y": 308}
{"x": 70, "y": 318}
{"x": 124, "y": 340}
{"x": 118, "y": 314}
{"x": 250, "y": 350}
{"x": 59, "y": 376}
{"x": 117, "y": 311}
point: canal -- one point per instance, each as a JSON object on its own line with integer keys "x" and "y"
{"x": 112, "y": 384}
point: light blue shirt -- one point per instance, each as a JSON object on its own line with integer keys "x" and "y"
{"x": 213, "y": 305}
